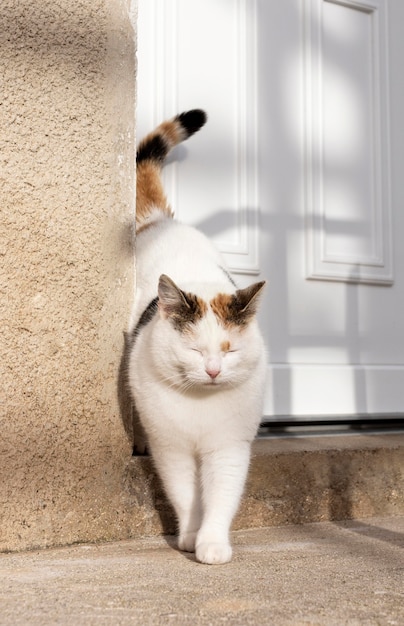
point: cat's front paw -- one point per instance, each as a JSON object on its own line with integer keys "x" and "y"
{"x": 186, "y": 542}
{"x": 213, "y": 553}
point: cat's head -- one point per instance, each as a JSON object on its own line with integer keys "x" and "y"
{"x": 208, "y": 340}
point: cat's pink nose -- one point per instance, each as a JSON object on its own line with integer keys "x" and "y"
{"x": 213, "y": 372}
{"x": 213, "y": 366}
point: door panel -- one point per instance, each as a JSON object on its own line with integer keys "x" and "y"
{"x": 180, "y": 41}
{"x": 348, "y": 200}
{"x": 297, "y": 177}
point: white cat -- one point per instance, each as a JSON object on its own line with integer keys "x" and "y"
{"x": 197, "y": 360}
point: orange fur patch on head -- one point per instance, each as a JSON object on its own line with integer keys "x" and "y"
{"x": 225, "y": 346}
{"x": 239, "y": 308}
{"x": 221, "y": 307}
{"x": 220, "y": 304}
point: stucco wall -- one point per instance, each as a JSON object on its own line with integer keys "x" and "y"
{"x": 66, "y": 271}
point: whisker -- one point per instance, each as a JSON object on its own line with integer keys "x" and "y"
{"x": 177, "y": 380}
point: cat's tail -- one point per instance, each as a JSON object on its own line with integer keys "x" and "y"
{"x": 151, "y": 202}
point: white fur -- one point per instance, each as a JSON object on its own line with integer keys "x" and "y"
{"x": 199, "y": 428}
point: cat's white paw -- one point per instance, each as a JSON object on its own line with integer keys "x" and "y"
{"x": 186, "y": 542}
{"x": 213, "y": 553}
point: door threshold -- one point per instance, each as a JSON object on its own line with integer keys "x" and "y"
{"x": 320, "y": 426}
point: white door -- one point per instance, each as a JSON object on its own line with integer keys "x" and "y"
{"x": 297, "y": 177}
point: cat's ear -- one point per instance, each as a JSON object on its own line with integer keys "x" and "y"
{"x": 171, "y": 298}
{"x": 181, "y": 308}
{"x": 246, "y": 300}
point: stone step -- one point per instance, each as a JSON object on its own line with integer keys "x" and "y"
{"x": 294, "y": 481}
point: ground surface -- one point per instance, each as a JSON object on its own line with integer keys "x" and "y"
{"x": 341, "y": 573}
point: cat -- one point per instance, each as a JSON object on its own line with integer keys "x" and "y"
{"x": 197, "y": 359}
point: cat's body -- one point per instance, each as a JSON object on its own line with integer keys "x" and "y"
{"x": 197, "y": 362}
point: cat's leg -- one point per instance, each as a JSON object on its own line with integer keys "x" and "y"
{"x": 224, "y": 473}
{"x": 179, "y": 473}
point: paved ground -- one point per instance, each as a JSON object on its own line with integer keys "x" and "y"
{"x": 345, "y": 573}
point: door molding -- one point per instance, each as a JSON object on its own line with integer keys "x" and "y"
{"x": 347, "y": 151}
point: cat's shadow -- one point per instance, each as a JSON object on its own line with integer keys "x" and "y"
{"x": 143, "y": 473}
{"x": 171, "y": 541}
{"x": 129, "y": 416}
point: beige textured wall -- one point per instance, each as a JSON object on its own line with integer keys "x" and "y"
{"x": 66, "y": 185}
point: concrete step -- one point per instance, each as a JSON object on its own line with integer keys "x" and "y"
{"x": 294, "y": 481}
